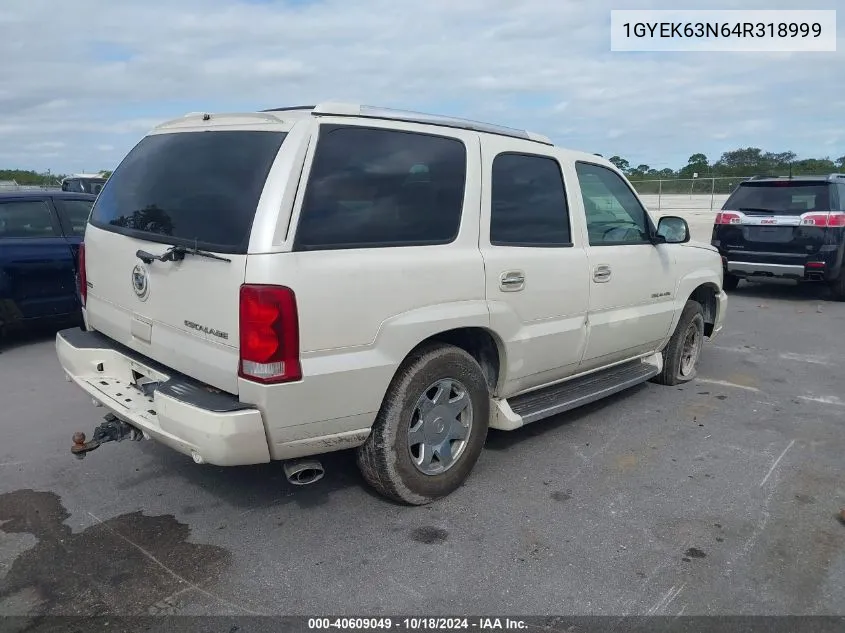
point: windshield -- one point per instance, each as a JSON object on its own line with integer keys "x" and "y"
{"x": 780, "y": 198}
{"x": 194, "y": 188}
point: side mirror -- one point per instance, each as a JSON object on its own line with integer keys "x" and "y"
{"x": 672, "y": 230}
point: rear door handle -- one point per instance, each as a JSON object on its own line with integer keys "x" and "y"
{"x": 601, "y": 274}
{"x": 512, "y": 281}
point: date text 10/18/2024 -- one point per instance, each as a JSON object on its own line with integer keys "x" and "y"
{"x": 417, "y": 624}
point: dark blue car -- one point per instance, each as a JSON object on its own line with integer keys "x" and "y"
{"x": 40, "y": 234}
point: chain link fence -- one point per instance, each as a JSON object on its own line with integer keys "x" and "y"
{"x": 704, "y": 194}
{"x": 698, "y": 194}
{"x": 12, "y": 185}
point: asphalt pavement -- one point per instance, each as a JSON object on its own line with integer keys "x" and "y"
{"x": 717, "y": 497}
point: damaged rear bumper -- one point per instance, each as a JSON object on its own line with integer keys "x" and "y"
{"x": 211, "y": 426}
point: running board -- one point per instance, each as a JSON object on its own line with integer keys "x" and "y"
{"x": 549, "y": 401}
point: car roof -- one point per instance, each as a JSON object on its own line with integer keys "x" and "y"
{"x": 804, "y": 179}
{"x": 363, "y": 112}
{"x": 46, "y": 193}
{"x": 360, "y": 111}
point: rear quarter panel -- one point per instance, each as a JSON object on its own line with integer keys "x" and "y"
{"x": 361, "y": 311}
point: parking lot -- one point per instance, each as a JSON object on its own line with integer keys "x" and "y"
{"x": 720, "y": 496}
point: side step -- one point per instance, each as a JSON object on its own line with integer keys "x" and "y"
{"x": 549, "y": 401}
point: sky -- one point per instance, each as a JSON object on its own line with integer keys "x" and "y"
{"x": 83, "y": 81}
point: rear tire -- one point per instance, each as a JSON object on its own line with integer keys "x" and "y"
{"x": 681, "y": 355}
{"x": 837, "y": 287}
{"x": 431, "y": 427}
{"x": 730, "y": 282}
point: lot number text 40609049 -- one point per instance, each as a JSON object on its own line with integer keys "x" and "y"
{"x": 417, "y": 624}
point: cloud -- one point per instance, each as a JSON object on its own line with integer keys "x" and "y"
{"x": 100, "y": 76}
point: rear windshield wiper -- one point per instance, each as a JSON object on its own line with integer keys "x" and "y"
{"x": 760, "y": 210}
{"x": 176, "y": 254}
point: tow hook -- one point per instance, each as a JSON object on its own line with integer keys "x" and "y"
{"x": 112, "y": 430}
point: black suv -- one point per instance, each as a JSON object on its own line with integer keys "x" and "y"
{"x": 784, "y": 227}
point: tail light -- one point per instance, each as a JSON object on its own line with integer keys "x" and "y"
{"x": 822, "y": 218}
{"x": 816, "y": 265}
{"x": 728, "y": 217}
{"x": 82, "y": 275}
{"x": 269, "y": 334}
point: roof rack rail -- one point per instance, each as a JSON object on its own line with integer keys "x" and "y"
{"x": 289, "y": 108}
{"x": 375, "y": 112}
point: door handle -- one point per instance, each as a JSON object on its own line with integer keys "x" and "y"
{"x": 601, "y": 274}
{"x": 511, "y": 281}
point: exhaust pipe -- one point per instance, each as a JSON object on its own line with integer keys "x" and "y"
{"x": 303, "y": 472}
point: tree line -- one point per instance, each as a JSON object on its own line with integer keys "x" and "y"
{"x": 738, "y": 163}
{"x": 28, "y": 177}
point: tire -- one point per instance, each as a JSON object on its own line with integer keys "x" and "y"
{"x": 837, "y": 287}
{"x": 389, "y": 460}
{"x": 677, "y": 367}
{"x": 730, "y": 282}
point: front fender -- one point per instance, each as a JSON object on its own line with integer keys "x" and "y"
{"x": 708, "y": 277}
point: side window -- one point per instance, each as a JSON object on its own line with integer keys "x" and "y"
{"x": 26, "y": 219}
{"x": 372, "y": 188}
{"x": 73, "y": 214}
{"x": 528, "y": 202}
{"x": 614, "y": 215}
{"x": 841, "y": 197}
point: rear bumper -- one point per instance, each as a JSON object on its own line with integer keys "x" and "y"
{"x": 762, "y": 269}
{"x": 823, "y": 265}
{"x": 211, "y": 426}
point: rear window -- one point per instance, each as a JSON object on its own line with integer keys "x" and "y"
{"x": 781, "y": 198}
{"x": 26, "y": 219}
{"x": 192, "y": 188}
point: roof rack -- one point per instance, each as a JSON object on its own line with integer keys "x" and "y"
{"x": 375, "y": 112}
{"x": 799, "y": 177}
{"x": 289, "y": 108}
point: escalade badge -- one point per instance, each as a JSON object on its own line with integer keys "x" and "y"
{"x": 207, "y": 330}
{"x": 140, "y": 282}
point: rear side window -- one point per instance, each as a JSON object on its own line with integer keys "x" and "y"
{"x": 371, "y": 188}
{"x": 528, "y": 202}
{"x": 94, "y": 186}
{"x": 26, "y": 219}
{"x": 73, "y": 214}
{"x": 781, "y": 197}
{"x": 192, "y": 188}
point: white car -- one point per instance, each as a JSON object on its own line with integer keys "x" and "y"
{"x": 282, "y": 284}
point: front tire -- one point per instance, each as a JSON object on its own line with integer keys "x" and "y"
{"x": 431, "y": 428}
{"x": 680, "y": 357}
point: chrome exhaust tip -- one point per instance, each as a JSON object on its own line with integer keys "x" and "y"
{"x": 303, "y": 472}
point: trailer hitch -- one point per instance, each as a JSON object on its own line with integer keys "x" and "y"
{"x": 112, "y": 430}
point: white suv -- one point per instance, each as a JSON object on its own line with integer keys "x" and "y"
{"x": 281, "y": 284}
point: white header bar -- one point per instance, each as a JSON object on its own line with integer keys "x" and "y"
{"x": 723, "y": 31}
